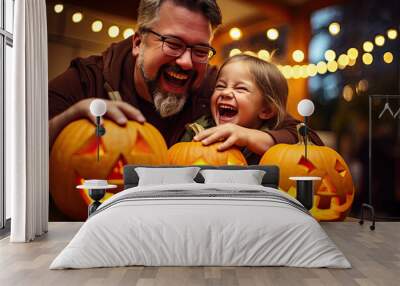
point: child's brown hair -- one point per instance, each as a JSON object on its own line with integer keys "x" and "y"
{"x": 270, "y": 81}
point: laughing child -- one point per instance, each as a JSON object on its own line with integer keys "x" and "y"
{"x": 248, "y": 109}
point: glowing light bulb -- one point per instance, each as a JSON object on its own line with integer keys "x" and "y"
{"x": 343, "y": 60}
{"x": 348, "y": 93}
{"x": 334, "y": 28}
{"x": 298, "y": 56}
{"x": 113, "y": 31}
{"x": 128, "y": 32}
{"x": 97, "y": 26}
{"x": 235, "y": 33}
{"x": 332, "y": 66}
{"x": 368, "y": 46}
{"x": 352, "y": 53}
{"x": 379, "y": 40}
{"x": 272, "y": 34}
{"x": 321, "y": 67}
{"x": 234, "y": 52}
{"x": 58, "y": 8}
{"x": 312, "y": 70}
{"x": 388, "y": 57}
{"x": 77, "y": 17}
{"x": 330, "y": 55}
{"x": 264, "y": 55}
{"x": 392, "y": 34}
{"x": 367, "y": 58}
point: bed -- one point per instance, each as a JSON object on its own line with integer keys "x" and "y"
{"x": 201, "y": 223}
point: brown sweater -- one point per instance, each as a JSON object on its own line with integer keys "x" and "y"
{"x": 86, "y": 78}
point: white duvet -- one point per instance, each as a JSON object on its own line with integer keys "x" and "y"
{"x": 190, "y": 230}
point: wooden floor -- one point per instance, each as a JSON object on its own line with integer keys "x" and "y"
{"x": 374, "y": 255}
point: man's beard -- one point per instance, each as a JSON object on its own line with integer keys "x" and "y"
{"x": 166, "y": 103}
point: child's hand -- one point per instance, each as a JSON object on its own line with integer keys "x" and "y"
{"x": 255, "y": 140}
{"x": 231, "y": 133}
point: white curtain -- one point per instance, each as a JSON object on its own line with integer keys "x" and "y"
{"x": 27, "y": 124}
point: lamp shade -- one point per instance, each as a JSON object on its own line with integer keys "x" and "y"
{"x": 305, "y": 107}
{"x": 98, "y": 107}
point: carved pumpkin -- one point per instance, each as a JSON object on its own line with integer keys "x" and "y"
{"x": 73, "y": 158}
{"x": 195, "y": 153}
{"x": 333, "y": 195}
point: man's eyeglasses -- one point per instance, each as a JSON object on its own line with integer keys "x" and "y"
{"x": 175, "y": 47}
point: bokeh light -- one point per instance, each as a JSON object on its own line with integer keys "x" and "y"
{"x": 58, "y": 8}
{"x": 272, "y": 34}
{"x": 334, "y": 28}
{"x": 367, "y": 58}
{"x": 392, "y": 34}
{"x": 235, "y": 33}
{"x": 77, "y": 17}
{"x": 379, "y": 40}
{"x": 348, "y": 93}
{"x": 368, "y": 46}
{"x": 234, "y": 52}
{"x": 298, "y": 56}
{"x": 352, "y": 53}
{"x": 97, "y": 26}
{"x": 264, "y": 55}
{"x": 330, "y": 55}
{"x": 113, "y": 31}
{"x": 128, "y": 32}
{"x": 388, "y": 57}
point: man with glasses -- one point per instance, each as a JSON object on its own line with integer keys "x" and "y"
{"x": 160, "y": 75}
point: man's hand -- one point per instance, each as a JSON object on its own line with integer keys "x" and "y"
{"x": 118, "y": 111}
{"x": 232, "y": 134}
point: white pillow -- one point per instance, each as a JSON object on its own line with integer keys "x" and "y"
{"x": 163, "y": 176}
{"x": 248, "y": 177}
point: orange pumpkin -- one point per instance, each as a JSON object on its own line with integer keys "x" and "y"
{"x": 333, "y": 195}
{"x": 73, "y": 158}
{"x": 195, "y": 153}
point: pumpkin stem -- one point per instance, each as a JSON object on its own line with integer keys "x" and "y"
{"x": 300, "y": 132}
{"x": 195, "y": 127}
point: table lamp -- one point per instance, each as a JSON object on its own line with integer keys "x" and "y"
{"x": 98, "y": 108}
{"x": 304, "y": 189}
{"x": 306, "y": 109}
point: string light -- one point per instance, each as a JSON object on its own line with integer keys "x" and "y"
{"x": 334, "y": 28}
{"x": 388, "y": 57}
{"x": 312, "y": 70}
{"x": 379, "y": 40}
{"x": 97, "y": 26}
{"x": 367, "y": 58}
{"x": 128, "y": 32}
{"x": 343, "y": 60}
{"x": 113, "y": 31}
{"x": 77, "y": 17}
{"x": 332, "y": 66}
{"x": 322, "y": 68}
{"x": 362, "y": 85}
{"x": 298, "y": 56}
{"x": 250, "y": 53}
{"x": 368, "y": 46}
{"x": 330, "y": 55}
{"x": 58, "y": 8}
{"x": 235, "y": 33}
{"x": 272, "y": 34}
{"x": 352, "y": 53}
{"x": 392, "y": 34}
{"x": 264, "y": 55}
{"x": 234, "y": 52}
{"x": 348, "y": 93}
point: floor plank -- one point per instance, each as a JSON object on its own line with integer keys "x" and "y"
{"x": 374, "y": 255}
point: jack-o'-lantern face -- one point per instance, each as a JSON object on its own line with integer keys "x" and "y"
{"x": 195, "y": 153}
{"x": 74, "y": 158}
{"x": 333, "y": 195}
